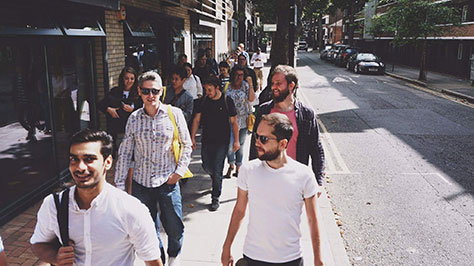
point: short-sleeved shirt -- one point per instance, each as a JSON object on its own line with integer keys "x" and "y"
{"x": 1, "y": 245}
{"x": 275, "y": 200}
{"x": 240, "y": 98}
{"x": 108, "y": 233}
{"x": 215, "y": 119}
{"x": 291, "y": 149}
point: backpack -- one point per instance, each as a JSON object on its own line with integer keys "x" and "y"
{"x": 62, "y": 208}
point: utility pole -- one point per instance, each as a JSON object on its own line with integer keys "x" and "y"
{"x": 291, "y": 32}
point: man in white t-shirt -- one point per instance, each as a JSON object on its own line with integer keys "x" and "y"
{"x": 275, "y": 188}
{"x": 3, "y": 257}
{"x": 106, "y": 226}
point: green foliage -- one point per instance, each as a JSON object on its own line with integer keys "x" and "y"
{"x": 267, "y": 10}
{"x": 414, "y": 20}
{"x": 314, "y": 8}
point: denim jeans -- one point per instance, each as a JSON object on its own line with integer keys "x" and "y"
{"x": 251, "y": 262}
{"x": 237, "y": 156}
{"x": 168, "y": 199}
{"x": 213, "y": 157}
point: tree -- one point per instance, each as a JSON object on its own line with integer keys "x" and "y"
{"x": 352, "y": 6}
{"x": 316, "y": 10}
{"x": 413, "y": 21}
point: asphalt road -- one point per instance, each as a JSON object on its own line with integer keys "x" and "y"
{"x": 400, "y": 166}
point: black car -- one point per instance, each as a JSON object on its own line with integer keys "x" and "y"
{"x": 324, "y": 53}
{"x": 344, "y": 55}
{"x": 336, "y": 49}
{"x": 365, "y": 63}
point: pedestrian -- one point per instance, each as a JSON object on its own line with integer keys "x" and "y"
{"x": 242, "y": 61}
{"x": 218, "y": 116}
{"x": 201, "y": 68}
{"x": 224, "y": 75}
{"x": 211, "y": 61}
{"x": 176, "y": 95}
{"x": 242, "y": 94}
{"x": 149, "y": 136}
{"x": 258, "y": 61}
{"x": 119, "y": 103}
{"x": 106, "y": 226}
{"x": 182, "y": 59}
{"x": 275, "y": 188}
{"x": 305, "y": 141}
{"x": 193, "y": 83}
{"x": 241, "y": 51}
{"x": 3, "y": 257}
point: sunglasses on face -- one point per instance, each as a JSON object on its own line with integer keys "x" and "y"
{"x": 263, "y": 139}
{"x": 146, "y": 91}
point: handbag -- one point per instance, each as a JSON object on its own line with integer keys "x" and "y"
{"x": 250, "y": 118}
{"x": 176, "y": 144}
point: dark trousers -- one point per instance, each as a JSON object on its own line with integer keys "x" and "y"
{"x": 213, "y": 157}
{"x": 251, "y": 262}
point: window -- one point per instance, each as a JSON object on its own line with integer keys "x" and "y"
{"x": 460, "y": 51}
{"x": 465, "y": 9}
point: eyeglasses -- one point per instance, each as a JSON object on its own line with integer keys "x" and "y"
{"x": 146, "y": 91}
{"x": 263, "y": 139}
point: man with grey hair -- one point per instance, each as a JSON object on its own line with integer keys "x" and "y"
{"x": 275, "y": 188}
{"x": 148, "y": 138}
{"x": 305, "y": 141}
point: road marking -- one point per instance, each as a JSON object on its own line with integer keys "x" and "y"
{"x": 351, "y": 80}
{"x": 439, "y": 94}
{"x": 435, "y": 174}
{"x": 329, "y": 147}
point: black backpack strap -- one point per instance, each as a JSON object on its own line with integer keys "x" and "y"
{"x": 62, "y": 208}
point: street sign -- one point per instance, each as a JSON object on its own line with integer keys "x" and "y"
{"x": 269, "y": 27}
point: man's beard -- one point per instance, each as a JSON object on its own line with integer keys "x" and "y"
{"x": 282, "y": 96}
{"x": 269, "y": 155}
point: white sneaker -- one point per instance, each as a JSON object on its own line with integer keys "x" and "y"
{"x": 174, "y": 261}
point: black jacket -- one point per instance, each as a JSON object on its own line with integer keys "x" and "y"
{"x": 115, "y": 99}
{"x": 308, "y": 142}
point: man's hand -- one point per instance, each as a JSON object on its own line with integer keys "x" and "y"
{"x": 113, "y": 112}
{"x": 127, "y": 108}
{"x": 318, "y": 262}
{"x": 65, "y": 255}
{"x": 173, "y": 179}
{"x": 236, "y": 146}
{"x": 193, "y": 140}
{"x": 226, "y": 257}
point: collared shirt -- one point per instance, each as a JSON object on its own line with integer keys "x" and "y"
{"x": 149, "y": 140}
{"x": 258, "y": 64}
{"x": 193, "y": 85}
{"x": 108, "y": 233}
{"x": 185, "y": 102}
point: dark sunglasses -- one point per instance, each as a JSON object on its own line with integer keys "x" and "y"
{"x": 146, "y": 91}
{"x": 263, "y": 139}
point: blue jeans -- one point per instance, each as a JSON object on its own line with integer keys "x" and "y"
{"x": 237, "y": 156}
{"x": 168, "y": 198}
{"x": 213, "y": 157}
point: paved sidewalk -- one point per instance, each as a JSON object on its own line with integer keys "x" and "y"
{"x": 205, "y": 231}
{"x": 444, "y": 83}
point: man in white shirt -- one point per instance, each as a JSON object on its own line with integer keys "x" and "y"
{"x": 193, "y": 83}
{"x": 106, "y": 225}
{"x": 275, "y": 188}
{"x": 258, "y": 61}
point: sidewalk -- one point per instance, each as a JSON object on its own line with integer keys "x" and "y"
{"x": 443, "y": 83}
{"x": 205, "y": 231}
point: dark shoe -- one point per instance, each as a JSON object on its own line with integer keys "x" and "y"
{"x": 214, "y": 205}
{"x": 236, "y": 174}
{"x": 229, "y": 172}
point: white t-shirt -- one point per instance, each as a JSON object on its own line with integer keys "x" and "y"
{"x": 108, "y": 233}
{"x": 193, "y": 85}
{"x": 275, "y": 199}
{"x": 1, "y": 245}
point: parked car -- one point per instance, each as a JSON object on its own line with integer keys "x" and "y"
{"x": 303, "y": 45}
{"x": 324, "y": 53}
{"x": 344, "y": 55}
{"x": 365, "y": 63}
{"x": 336, "y": 49}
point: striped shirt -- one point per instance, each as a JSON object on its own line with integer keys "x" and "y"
{"x": 149, "y": 140}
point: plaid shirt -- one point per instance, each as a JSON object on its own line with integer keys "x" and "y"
{"x": 149, "y": 139}
{"x": 308, "y": 142}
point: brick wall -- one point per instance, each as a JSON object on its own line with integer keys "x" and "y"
{"x": 151, "y": 5}
{"x": 115, "y": 46}
{"x": 99, "y": 77}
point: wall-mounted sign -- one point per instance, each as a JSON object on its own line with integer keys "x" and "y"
{"x": 269, "y": 27}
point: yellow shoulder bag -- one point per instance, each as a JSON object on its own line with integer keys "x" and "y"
{"x": 176, "y": 144}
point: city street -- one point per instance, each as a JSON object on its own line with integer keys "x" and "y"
{"x": 399, "y": 166}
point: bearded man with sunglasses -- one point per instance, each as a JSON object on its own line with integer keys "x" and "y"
{"x": 148, "y": 137}
{"x": 275, "y": 188}
{"x": 305, "y": 141}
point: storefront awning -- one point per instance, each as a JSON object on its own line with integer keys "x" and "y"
{"x": 202, "y": 36}
{"x": 109, "y": 4}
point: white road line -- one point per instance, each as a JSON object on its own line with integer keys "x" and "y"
{"x": 330, "y": 147}
{"x": 351, "y": 79}
{"x": 436, "y": 174}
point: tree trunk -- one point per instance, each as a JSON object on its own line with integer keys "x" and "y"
{"x": 422, "y": 75}
{"x": 279, "y": 52}
{"x": 350, "y": 29}
{"x": 320, "y": 33}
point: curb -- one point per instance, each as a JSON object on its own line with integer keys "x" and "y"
{"x": 458, "y": 95}
{"x": 413, "y": 81}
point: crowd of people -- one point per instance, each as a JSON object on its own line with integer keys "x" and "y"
{"x": 144, "y": 120}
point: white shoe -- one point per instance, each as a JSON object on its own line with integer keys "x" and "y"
{"x": 174, "y": 261}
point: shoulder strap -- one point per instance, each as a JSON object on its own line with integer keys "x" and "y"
{"x": 226, "y": 87}
{"x": 163, "y": 95}
{"x": 62, "y": 209}
{"x": 173, "y": 120}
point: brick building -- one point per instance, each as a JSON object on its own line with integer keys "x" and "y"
{"x": 58, "y": 58}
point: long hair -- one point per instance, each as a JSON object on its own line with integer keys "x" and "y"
{"x": 133, "y": 90}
